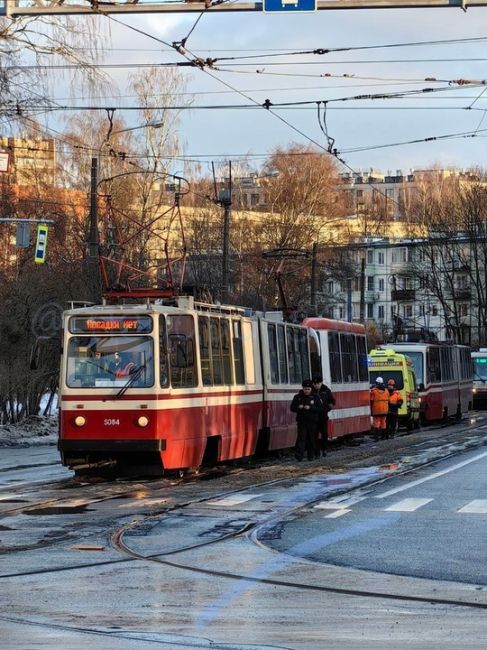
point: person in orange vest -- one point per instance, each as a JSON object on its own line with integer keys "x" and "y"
{"x": 395, "y": 403}
{"x": 379, "y": 406}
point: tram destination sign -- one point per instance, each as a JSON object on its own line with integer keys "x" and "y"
{"x": 110, "y": 324}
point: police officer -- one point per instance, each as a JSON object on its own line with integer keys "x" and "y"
{"x": 307, "y": 408}
{"x": 327, "y": 401}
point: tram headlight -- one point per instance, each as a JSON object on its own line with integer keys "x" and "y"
{"x": 80, "y": 421}
{"x": 142, "y": 421}
{"x": 474, "y": 390}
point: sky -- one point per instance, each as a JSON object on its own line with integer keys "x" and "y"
{"x": 370, "y": 124}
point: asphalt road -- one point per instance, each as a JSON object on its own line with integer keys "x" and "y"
{"x": 176, "y": 565}
{"x": 431, "y": 523}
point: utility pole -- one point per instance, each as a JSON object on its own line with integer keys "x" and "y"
{"x": 314, "y": 280}
{"x": 362, "y": 289}
{"x": 93, "y": 262}
{"x": 225, "y": 200}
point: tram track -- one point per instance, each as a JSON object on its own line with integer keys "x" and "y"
{"x": 97, "y": 494}
{"x": 252, "y": 531}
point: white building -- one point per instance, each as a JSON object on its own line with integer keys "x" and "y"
{"x": 400, "y": 298}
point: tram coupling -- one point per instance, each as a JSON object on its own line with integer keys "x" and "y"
{"x": 101, "y": 464}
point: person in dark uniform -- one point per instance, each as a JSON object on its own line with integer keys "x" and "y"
{"x": 327, "y": 401}
{"x": 307, "y": 408}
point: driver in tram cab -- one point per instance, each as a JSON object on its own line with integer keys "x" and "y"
{"x": 119, "y": 368}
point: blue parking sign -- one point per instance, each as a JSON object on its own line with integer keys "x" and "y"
{"x": 283, "y": 6}
{"x": 41, "y": 244}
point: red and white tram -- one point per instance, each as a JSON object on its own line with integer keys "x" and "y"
{"x": 444, "y": 378}
{"x": 182, "y": 384}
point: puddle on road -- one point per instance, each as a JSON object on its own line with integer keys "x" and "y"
{"x": 57, "y": 510}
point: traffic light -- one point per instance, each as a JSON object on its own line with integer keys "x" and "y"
{"x": 41, "y": 244}
{"x": 22, "y": 239}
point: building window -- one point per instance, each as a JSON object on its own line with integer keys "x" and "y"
{"x": 381, "y": 257}
{"x": 370, "y": 257}
{"x": 420, "y": 310}
{"x": 370, "y": 310}
{"x": 329, "y": 286}
{"x": 463, "y": 309}
{"x": 341, "y": 313}
{"x": 370, "y": 283}
{"x": 462, "y": 282}
{"x": 403, "y": 255}
{"x": 381, "y": 284}
{"x": 434, "y": 310}
{"x": 380, "y": 312}
{"x": 408, "y": 311}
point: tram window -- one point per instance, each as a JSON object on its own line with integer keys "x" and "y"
{"x": 334, "y": 356}
{"x": 447, "y": 368}
{"x": 238, "y": 352}
{"x": 349, "y": 358}
{"x": 180, "y": 331}
{"x": 433, "y": 366}
{"x": 291, "y": 361}
{"x": 205, "y": 354}
{"x": 163, "y": 361}
{"x": 363, "y": 370}
{"x": 248, "y": 352}
{"x": 225, "y": 339}
{"x": 216, "y": 355}
{"x": 281, "y": 343}
{"x": 303, "y": 353}
{"x": 314, "y": 355}
{"x": 273, "y": 360}
{"x": 107, "y": 361}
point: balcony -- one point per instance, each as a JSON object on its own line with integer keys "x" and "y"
{"x": 462, "y": 294}
{"x": 403, "y": 295}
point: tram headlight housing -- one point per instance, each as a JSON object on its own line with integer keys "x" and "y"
{"x": 80, "y": 421}
{"x": 142, "y": 421}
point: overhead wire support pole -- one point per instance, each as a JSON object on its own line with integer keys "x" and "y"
{"x": 314, "y": 280}
{"x": 226, "y": 203}
{"x": 93, "y": 261}
{"x": 14, "y": 8}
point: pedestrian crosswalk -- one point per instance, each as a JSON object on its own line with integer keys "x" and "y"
{"x": 341, "y": 506}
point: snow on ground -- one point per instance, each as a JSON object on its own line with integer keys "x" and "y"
{"x": 33, "y": 431}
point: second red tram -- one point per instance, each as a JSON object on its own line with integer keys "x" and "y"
{"x": 182, "y": 384}
{"x": 444, "y": 377}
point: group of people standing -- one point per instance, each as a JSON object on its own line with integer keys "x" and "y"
{"x": 312, "y": 405}
{"x": 315, "y": 400}
{"x": 385, "y": 402}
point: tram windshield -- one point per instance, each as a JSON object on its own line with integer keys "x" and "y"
{"x": 417, "y": 359}
{"x": 480, "y": 368}
{"x": 110, "y": 361}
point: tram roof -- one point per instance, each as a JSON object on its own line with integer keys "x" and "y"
{"x": 337, "y": 325}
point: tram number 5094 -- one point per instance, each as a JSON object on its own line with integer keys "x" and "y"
{"x": 111, "y": 422}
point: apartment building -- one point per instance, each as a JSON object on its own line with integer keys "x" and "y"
{"x": 392, "y": 194}
{"x": 402, "y": 299}
{"x": 31, "y": 161}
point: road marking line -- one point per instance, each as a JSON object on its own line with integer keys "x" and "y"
{"x": 431, "y": 477}
{"x": 235, "y": 500}
{"x": 407, "y": 505}
{"x": 478, "y": 507}
{"x": 337, "y": 513}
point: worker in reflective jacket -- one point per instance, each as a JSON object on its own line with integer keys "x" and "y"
{"x": 379, "y": 407}
{"x": 395, "y": 403}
